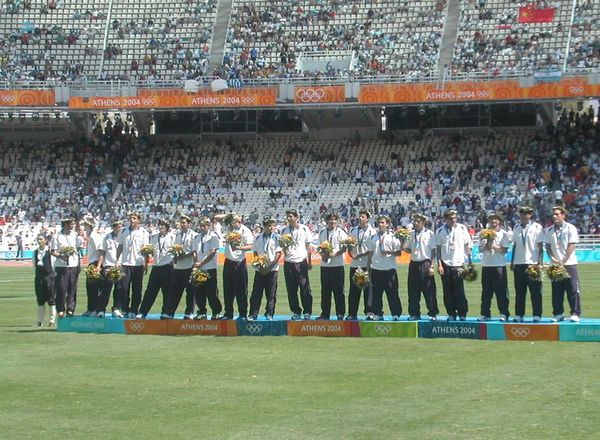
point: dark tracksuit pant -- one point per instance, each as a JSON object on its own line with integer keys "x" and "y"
{"x": 235, "y": 286}
{"x": 160, "y": 279}
{"x": 385, "y": 281}
{"x": 296, "y": 277}
{"x": 131, "y": 284}
{"x": 522, "y": 283}
{"x": 354, "y": 295}
{"x": 570, "y": 286}
{"x": 106, "y": 287}
{"x": 455, "y": 300}
{"x": 332, "y": 283}
{"x": 419, "y": 281}
{"x": 180, "y": 281}
{"x": 208, "y": 291}
{"x": 44, "y": 287}
{"x": 93, "y": 290}
{"x": 494, "y": 281}
{"x": 266, "y": 283}
{"x": 65, "y": 285}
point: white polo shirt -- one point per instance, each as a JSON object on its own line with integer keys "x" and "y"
{"x": 452, "y": 242}
{"x": 204, "y": 244}
{"x": 560, "y": 238}
{"x": 61, "y": 240}
{"x": 421, "y": 244}
{"x": 109, "y": 246}
{"x": 492, "y": 258}
{"x": 186, "y": 239}
{"x": 247, "y": 238}
{"x": 383, "y": 243}
{"x": 162, "y": 243}
{"x": 334, "y": 236}
{"x": 268, "y": 246}
{"x": 297, "y": 253}
{"x": 362, "y": 240}
{"x": 93, "y": 242}
{"x": 132, "y": 241}
{"x": 526, "y": 239}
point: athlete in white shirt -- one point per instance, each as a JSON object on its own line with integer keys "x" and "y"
{"x": 453, "y": 248}
{"x": 332, "y": 269}
{"x": 422, "y": 248}
{"x": 560, "y": 240}
{"x": 66, "y": 267}
{"x": 383, "y": 250}
{"x": 528, "y": 238}
{"x": 362, "y": 233}
{"x": 206, "y": 247}
{"x": 93, "y": 287}
{"x": 493, "y": 272}
{"x": 266, "y": 244}
{"x": 108, "y": 259}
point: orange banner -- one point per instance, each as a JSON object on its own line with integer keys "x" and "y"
{"x": 255, "y": 97}
{"x": 193, "y": 327}
{"x": 145, "y": 327}
{"x": 26, "y": 98}
{"x": 319, "y": 94}
{"x": 475, "y": 91}
{"x": 319, "y": 328}
{"x": 531, "y": 332}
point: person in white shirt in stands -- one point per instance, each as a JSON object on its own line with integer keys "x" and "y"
{"x": 182, "y": 269}
{"x": 160, "y": 276}
{"x": 332, "y": 269}
{"x": 134, "y": 264}
{"x": 108, "y": 259}
{"x": 266, "y": 244}
{"x": 493, "y": 272}
{"x": 560, "y": 240}
{"x": 528, "y": 237}
{"x": 206, "y": 247}
{"x": 93, "y": 287}
{"x": 66, "y": 267}
{"x": 453, "y": 248}
{"x": 296, "y": 265}
{"x": 44, "y": 281}
{"x": 383, "y": 250}
{"x": 362, "y": 233}
{"x": 422, "y": 248}
{"x": 235, "y": 272}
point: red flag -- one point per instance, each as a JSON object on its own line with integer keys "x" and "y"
{"x": 530, "y": 14}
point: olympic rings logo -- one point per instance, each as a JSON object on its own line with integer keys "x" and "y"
{"x": 382, "y": 329}
{"x": 136, "y": 326}
{"x": 254, "y": 328}
{"x": 310, "y": 94}
{"x": 520, "y": 332}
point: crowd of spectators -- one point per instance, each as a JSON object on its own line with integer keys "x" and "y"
{"x": 116, "y": 171}
{"x": 585, "y": 41}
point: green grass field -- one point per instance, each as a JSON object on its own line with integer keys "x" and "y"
{"x": 71, "y": 386}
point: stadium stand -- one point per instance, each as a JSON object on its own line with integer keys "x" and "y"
{"x": 585, "y": 41}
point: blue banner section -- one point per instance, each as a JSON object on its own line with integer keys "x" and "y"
{"x": 91, "y": 325}
{"x": 579, "y": 332}
{"x": 453, "y": 329}
{"x": 12, "y": 255}
{"x": 262, "y": 328}
{"x": 495, "y": 331}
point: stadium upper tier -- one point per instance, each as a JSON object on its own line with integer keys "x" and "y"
{"x": 68, "y": 40}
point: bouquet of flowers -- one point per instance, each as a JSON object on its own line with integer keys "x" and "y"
{"x": 468, "y": 272}
{"x": 402, "y": 234}
{"x": 234, "y": 239}
{"x": 147, "y": 250}
{"x": 114, "y": 274}
{"x": 92, "y": 273}
{"x": 177, "y": 250}
{"x": 286, "y": 241}
{"x": 260, "y": 262}
{"x": 534, "y": 272}
{"x": 557, "y": 272}
{"x": 361, "y": 278}
{"x": 199, "y": 277}
{"x": 66, "y": 251}
{"x": 487, "y": 235}
{"x": 349, "y": 243}
{"x": 326, "y": 250}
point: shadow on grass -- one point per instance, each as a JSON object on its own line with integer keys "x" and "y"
{"x": 34, "y": 330}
